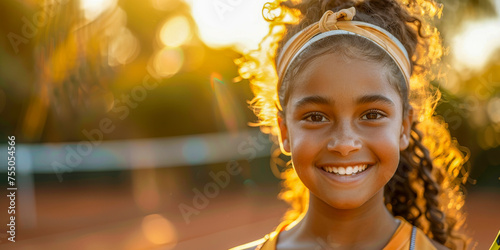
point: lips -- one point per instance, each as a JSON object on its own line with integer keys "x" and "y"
{"x": 345, "y": 170}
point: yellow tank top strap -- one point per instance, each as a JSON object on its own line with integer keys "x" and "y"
{"x": 422, "y": 241}
{"x": 401, "y": 238}
{"x": 410, "y": 237}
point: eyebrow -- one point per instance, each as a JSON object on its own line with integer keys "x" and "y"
{"x": 374, "y": 98}
{"x": 316, "y": 99}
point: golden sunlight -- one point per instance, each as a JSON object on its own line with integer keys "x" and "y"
{"x": 93, "y": 8}
{"x": 230, "y": 23}
{"x": 474, "y": 46}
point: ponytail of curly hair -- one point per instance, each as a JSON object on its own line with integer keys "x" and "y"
{"x": 427, "y": 188}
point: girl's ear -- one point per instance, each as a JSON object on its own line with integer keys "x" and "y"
{"x": 404, "y": 139}
{"x": 283, "y": 136}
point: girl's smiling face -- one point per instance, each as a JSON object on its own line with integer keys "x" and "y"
{"x": 344, "y": 116}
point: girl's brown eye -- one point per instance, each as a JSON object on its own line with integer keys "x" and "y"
{"x": 372, "y": 116}
{"x": 315, "y": 118}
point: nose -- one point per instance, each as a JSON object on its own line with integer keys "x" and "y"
{"x": 344, "y": 140}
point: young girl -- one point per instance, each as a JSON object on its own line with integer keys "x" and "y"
{"x": 371, "y": 166}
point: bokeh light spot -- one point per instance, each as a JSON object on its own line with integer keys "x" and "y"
{"x": 123, "y": 49}
{"x": 175, "y": 32}
{"x": 494, "y": 109}
{"x": 159, "y": 230}
{"x": 168, "y": 61}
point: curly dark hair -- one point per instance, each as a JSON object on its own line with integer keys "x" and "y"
{"x": 427, "y": 188}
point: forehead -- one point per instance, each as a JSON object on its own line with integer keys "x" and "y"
{"x": 343, "y": 78}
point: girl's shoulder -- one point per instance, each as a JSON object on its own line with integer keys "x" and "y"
{"x": 254, "y": 245}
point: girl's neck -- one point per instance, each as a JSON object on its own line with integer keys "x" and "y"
{"x": 369, "y": 226}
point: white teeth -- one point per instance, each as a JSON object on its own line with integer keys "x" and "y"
{"x": 350, "y": 170}
{"x": 341, "y": 170}
{"x": 335, "y": 170}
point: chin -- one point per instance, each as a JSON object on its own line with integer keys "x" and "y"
{"x": 347, "y": 203}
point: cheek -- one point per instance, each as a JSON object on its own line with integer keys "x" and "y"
{"x": 305, "y": 146}
{"x": 384, "y": 138}
{"x": 301, "y": 146}
{"x": 385, "y": 143}
{"x": 300, "y": 139}
{"x": 385, "y": 146}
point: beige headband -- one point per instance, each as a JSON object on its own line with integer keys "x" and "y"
{"x": 340, "y": 23}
